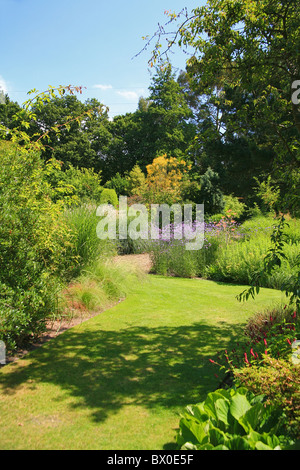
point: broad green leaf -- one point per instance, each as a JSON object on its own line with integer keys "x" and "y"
{"x": 261, "y": 446}
{"x": 239, "y": 406}
{"x": 217, "y": 437}
{"x": 222, "y": 410}
{"x": 238, "y": 443}
{"x": 209, "y": 446}
{"x": 189, "y": 446}
{"x": 252, "y": 417}
{"x": 198, "y": 412}
{"x": 192, "y": 431}
{"x": 271, "y": 440}
{"x": 209, "y": 405}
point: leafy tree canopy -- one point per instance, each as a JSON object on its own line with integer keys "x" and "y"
{"x": 253, "y": 47}
{"x": 77, "y": 132}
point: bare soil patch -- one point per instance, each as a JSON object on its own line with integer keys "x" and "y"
{"x": 142, "y": 261}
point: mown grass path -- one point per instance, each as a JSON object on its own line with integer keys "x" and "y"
{"x": 120, "y": 379}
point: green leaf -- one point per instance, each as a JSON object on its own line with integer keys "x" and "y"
{"x": 238, "y": 443}
{"x": 222, "y": 410}
{"x": 197, "y": 411}
{"x": 261, "y": 446}
{"x": 209, "y": 405}
{"x": 239, "y": 406}
{"x": 217, "y": 437}
{"x": 252, "y": 417}
{"x": 191, "y": 431}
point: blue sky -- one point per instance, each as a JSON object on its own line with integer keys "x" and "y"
{"x": 85, "y": 43}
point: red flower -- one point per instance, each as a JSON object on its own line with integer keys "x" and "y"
{"x": 246, "y": 358}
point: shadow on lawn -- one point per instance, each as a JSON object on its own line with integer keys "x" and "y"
{"x": 106, "y": 370}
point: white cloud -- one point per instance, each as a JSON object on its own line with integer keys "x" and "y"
{"x": 3, "y": 85}
{"x": 128, "y": 95}
{"x": 103, "y": 87}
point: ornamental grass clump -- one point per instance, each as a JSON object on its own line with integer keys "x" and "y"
{"x": 101, "y": 284}
{"x": 85, "y": 248}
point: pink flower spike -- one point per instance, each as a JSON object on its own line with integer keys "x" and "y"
{"x": 246, "y": 358}
{"x": 251, "y": 352}
{"x": 265, "y": 341}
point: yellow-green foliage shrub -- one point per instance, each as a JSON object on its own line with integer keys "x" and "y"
{"x": 33, "y": 241}
{"x": 279, "y": 381}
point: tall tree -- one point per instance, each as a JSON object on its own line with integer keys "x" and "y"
{"x": 80, "y": 135}
{"x": 224, "y": 142}
{"x": 160, "y": 125}
{"x": 169, "y": 115}
{"x": 253, "y": 46}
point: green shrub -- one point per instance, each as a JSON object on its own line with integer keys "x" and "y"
{"x": 119, "y": 183}
{"x": 136, "y": 181}
{"x": 270, "y": 333}
{"x": 33, "y": 241}
{"x": 254, "y": 211}
{"x": 130, "y": 245}
{"x": 278, "y": 380}
{"x": 216, "y": 218}
{"x": 231, "y": 253}
{"x": 86, "y": 183}
{"x": 260, "y": 324}
{"x": 109, "y": 196}
{"x": 239, "y": 260}
{"x": 73, "y": 185}
{"x": 210, "y": 193}
{"x": 233, "y": 419}
{"x": 268, "y": 193}
{"x": 234, "y": 206}
{"x": 258, "y": 225}
{"x": 263, "y": 226}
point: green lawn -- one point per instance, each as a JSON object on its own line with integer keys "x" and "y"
{"x": 120, "y": 380}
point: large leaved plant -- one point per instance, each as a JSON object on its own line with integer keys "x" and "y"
{"x": 233, "y": 419}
